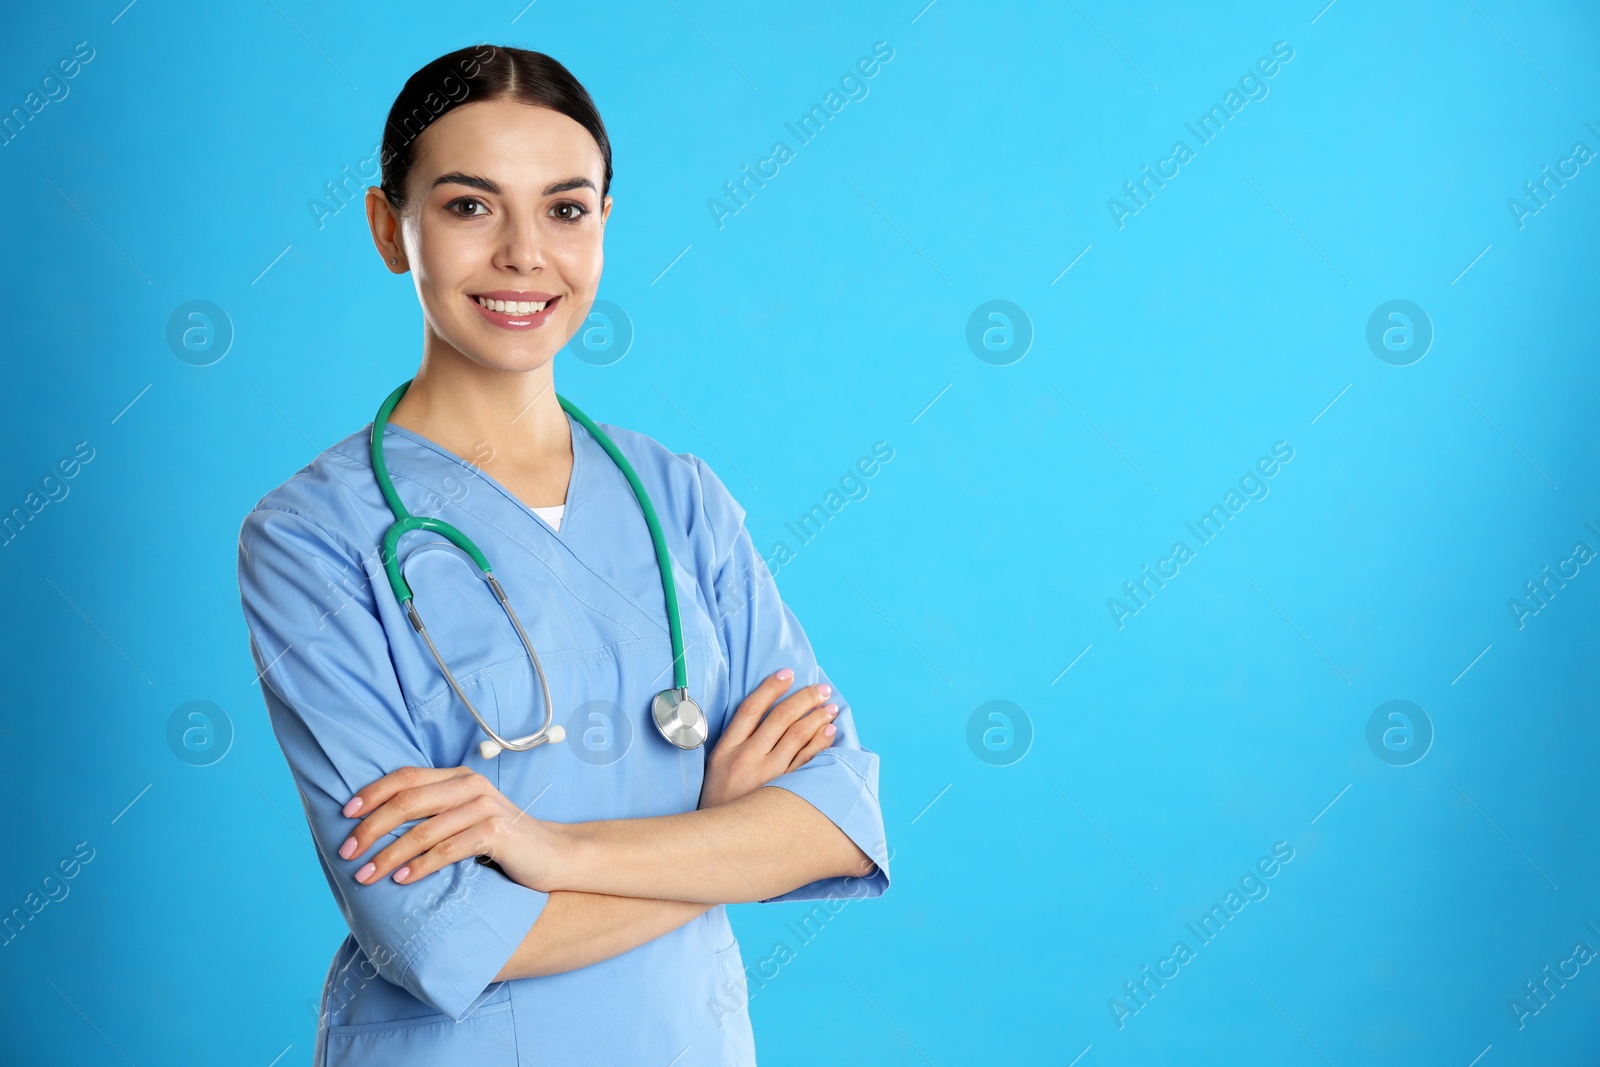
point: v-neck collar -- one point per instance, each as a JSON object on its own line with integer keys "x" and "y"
{"x": 574, "y": 482}
{"x": 585, "y": 448}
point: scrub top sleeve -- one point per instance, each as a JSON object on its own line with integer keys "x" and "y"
{"x": 342, "y": 722}
{"x": 761, "y": 635}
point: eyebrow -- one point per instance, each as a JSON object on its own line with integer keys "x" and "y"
{"x": 491, "y": 187}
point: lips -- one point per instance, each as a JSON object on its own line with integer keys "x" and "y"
{"x": 514, "y": 310}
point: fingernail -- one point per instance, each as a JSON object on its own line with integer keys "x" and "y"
{"x": 831, "y": 709}
{"x": 366, "y": 872}
{"x": 824, "y": 691}
{"x": 830, "y": 729}
{"x": 352, "y": 807}
{"x": 402, "y": 874}
{"x": 348, "y": 849}
{"x": 784, "y": 675}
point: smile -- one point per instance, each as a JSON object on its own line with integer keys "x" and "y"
{"x": 516, "y": 311}
{"x": 513, "y": 307}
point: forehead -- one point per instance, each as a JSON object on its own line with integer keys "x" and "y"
{"x": 517, "y": 145}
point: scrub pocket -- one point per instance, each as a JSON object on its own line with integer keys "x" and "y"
{"x": 485, "y": 1038}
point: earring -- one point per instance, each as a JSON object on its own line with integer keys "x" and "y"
{"x": 391, "y": 259}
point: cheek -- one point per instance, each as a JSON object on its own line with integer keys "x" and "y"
{"x": 581, "y": 259}
{"x": 448, "y": 250}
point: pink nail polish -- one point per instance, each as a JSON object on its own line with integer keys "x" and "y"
{"x": 348, "y": 849}
{"x": 354, "y": 806}
{"x": 830, "y": 729}
{"x": 824, "y": 691}
{"x": 831, "y": 709}
{"x": 366, "y": 872}
{"x": 402, "y": 874}
{"x": 784, "y": 675}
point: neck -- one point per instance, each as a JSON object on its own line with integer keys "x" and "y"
{"x": 478, "y": 412}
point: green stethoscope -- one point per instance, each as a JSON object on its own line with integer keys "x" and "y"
{"x": 676, "y": 715}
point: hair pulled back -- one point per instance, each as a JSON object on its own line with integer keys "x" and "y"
{"x": 468, "y": 75}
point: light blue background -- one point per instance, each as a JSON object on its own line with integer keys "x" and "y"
{"x": 828, "y": 314}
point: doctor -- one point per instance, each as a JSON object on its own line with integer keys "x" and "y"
{"x": 593, "y": 927}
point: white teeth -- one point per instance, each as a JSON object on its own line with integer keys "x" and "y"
{"x": 514, "y": 307}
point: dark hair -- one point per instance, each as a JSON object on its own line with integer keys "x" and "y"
{"x": 481, "y": 72}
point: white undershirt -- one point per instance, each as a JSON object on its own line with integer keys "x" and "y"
{"x": 551, "y": 515}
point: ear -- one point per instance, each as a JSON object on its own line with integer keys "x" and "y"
{"x": 385, "y": 226}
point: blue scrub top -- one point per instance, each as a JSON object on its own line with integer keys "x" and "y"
{"x": 354, "y": 694}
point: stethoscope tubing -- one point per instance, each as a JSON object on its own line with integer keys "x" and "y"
{"x": 684, "y": 732}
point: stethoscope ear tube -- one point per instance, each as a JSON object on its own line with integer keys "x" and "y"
{"x": 496, "y": 744}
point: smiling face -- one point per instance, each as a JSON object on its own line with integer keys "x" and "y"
{"x": 503, "y": 231}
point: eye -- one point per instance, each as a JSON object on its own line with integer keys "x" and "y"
{"x": 576, "y": 211}
{"x": 465, "y": 200}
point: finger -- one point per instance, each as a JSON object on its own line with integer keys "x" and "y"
{"x": 375, "y": 793}
{"x": 411, "y": 803}
{"x": 403, "y": 851}
{"x": 820, "y": 740}
{"x": 801, "y": 733}
{"x": 473, "y": 840}
{"x": 748, "y": 716}
{"x": 781, "y": 717}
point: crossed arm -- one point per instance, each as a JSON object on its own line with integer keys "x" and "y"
{"x": 753, "y": 848}
{"x": 618, "y": 883}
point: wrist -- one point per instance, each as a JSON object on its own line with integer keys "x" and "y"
{"x": 562, "y": 848}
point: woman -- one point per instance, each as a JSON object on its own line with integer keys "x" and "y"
{"x": 593, "y": 928}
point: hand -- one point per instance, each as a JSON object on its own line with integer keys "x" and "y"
{"x": 754, "y": 750}
{"x": 462, "y": 815}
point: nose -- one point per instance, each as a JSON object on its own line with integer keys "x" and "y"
{"x": 520, "y": 248}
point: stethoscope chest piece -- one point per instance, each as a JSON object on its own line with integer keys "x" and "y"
{"x": 679, "y": 718}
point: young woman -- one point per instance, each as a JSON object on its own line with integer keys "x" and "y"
{"x": 561, "y": 902}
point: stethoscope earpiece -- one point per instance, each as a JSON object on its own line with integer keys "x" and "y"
{"x": 554, "y": 735}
